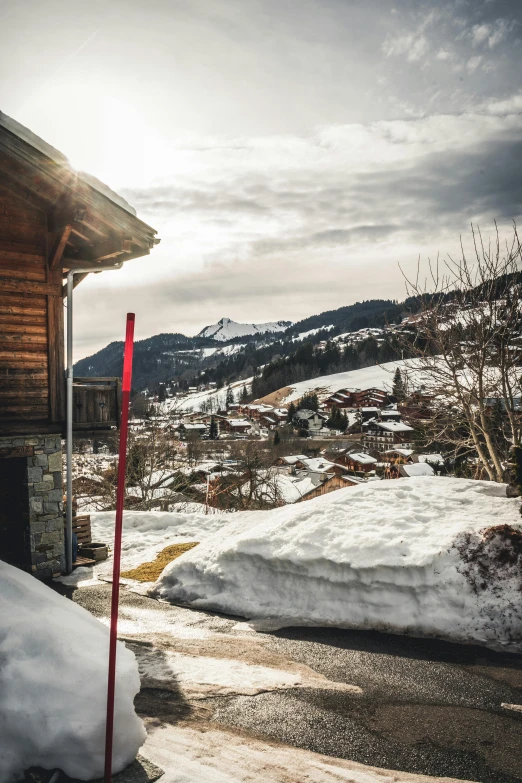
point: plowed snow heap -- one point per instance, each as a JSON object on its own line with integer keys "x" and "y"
{"x": 424, "y": 556}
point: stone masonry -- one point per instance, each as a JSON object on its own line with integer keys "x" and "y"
{"x": 44, "y": 481}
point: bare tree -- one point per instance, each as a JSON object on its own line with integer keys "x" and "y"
{"x": 468, "y": 350}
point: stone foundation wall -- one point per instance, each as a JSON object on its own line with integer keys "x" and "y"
{"x": 44, "y": 481}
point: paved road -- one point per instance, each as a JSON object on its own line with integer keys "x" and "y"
{"x": 426, "y": 706}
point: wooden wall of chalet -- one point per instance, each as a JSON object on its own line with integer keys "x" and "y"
{"x": 31, "y": 322}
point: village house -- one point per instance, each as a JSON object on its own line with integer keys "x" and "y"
{"x": 54, "y": 221}
{"x": 188, "y": 430}
{"x": 340, "y": 400}
{"x": 418, "y": 469}
{"x": 313, "y": 421}
{"x": 416, "y": 405}
{"x": 320, "y": 465}
{"x": 382, "y": 435}
{"x": 290, "y": 460}
{"x": 356, "y": 398}
{"x": 396, "y": 456}
{"x": 358, "y": 462}
{"x": 228, "y": 426}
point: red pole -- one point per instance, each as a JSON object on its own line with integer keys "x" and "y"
{"x": 120, "y": 494}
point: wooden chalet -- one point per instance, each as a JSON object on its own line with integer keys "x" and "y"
{"x": 52, "y": 220}
{"x": 358, "y": 462}
{"x": 356, "y": 398}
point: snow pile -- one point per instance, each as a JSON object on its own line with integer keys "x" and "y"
{"x": 404, "y": 556}
{"x": 49, "y": 646}
{"x": 145, "y": 533}
{"x": 226, "y": 329}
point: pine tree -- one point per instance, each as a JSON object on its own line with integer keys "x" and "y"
{"x": 230, "y": 396}
{"x": 277, "y": 438}
{"x": 213, "y": 430}
{"x": 309, "y": 402}
{"x": 291, "y": 413}
{"x": 244, "y": 394}
{"x": 398, "y": 390}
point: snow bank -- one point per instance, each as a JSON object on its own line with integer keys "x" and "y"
{"x": 145, "y": 533}
{"x": 49, "y": 648}
{"x": 404, "y": 556}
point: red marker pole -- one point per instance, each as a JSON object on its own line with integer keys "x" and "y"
{"x": 120, "y": 495}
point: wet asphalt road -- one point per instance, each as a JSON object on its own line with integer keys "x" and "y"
{"x": 427, "y": 706}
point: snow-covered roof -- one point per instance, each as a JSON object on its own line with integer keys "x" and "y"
{"x": 402, "y": 452}
{"x": 434, "y": 459}
{"x": 26, "y": 135}
{"x": 417, "y": 469}
{"x": 319, "y": 465}
{"x": 393, "y": 426}
{"x": 293, "y": 458}
{"x": 239, "y": 423}
{"x": 361, "y": 458}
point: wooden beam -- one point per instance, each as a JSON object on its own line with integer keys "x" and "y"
{"x": 77, "y": 279}
{"x": 57, "y": 253}
{"x": 55, "y": 333}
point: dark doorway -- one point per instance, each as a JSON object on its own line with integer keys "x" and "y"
{"x": 14, "y": 513}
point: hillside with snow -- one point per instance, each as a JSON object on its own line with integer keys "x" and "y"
{"x": 378, "y": 375}
{"x": 226, "y": 329}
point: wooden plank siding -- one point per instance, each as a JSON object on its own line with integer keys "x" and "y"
{"x": 31, "y": 320}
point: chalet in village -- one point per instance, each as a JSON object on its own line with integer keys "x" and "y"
{"x": 52, "y": 220}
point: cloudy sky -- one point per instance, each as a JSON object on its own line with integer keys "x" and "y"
{"x": 289, "y": 152}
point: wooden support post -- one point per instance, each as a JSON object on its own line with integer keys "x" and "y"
{"x": 57, "y": 253}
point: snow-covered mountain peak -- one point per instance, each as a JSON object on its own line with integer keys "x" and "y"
{"x": 227, "y": 329}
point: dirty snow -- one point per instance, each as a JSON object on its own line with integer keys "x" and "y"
{"x": 188, "y": 754}
{"x": 383, "y": 555}
{"x": 48, "y": 645}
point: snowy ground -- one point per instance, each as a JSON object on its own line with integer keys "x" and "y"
{"x": 215, "y": 397}
{"x": 385, "y": 555}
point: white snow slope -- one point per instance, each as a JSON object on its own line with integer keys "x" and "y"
{"x": 379, "y": 376}
{"x": 385, "y": 555}
{"x": 49, "y": 646}
{"x": 226, "y": 329}
{"x": 216, "y": 398}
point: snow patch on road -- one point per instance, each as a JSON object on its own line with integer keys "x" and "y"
{"x": 202, "y": 676}
{"x": 189, "y": 754}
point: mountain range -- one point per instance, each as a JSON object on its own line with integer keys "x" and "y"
{"x": 230, "y": 350}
